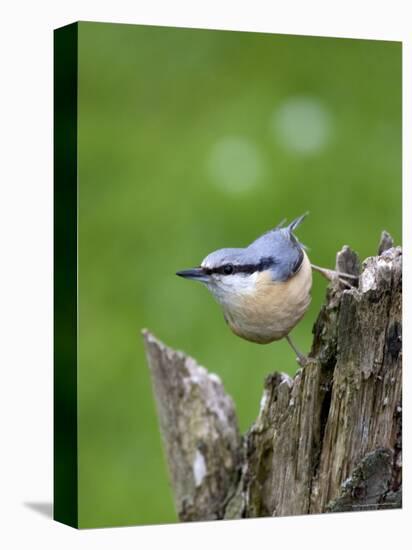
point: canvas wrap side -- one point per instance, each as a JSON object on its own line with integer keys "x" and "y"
{"x": 65, "y": 275}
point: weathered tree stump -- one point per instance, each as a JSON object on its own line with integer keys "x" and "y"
{"x": 327, "y": 440}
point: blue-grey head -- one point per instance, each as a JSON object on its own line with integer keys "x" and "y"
{"x": 229, "y": 272}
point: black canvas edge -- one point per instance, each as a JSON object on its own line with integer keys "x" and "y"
{"x": 65, "y": 430}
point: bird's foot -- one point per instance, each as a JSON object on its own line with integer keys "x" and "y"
{"x": 332, "y": 275}
{"x": 303, "y": 360}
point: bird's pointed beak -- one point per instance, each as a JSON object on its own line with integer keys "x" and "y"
{"x": 197, "y": 274}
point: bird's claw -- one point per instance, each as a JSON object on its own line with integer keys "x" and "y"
{"x": 303, "y": 361}
{"x": 344, "y": 282}
{"x": 337, "y": 276}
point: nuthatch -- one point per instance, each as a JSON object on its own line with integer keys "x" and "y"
{"x": 264, "y": 289}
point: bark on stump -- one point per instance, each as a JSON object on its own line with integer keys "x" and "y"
{"x": 326, "y": 440}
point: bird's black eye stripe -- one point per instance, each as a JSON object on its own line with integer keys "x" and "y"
{"x": 229, "y": 269}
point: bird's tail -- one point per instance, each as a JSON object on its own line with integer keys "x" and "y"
{"x": 296, "y": 222}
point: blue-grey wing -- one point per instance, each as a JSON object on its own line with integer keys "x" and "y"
{"x": 282, "y": 247}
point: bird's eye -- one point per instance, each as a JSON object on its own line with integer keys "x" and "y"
{"x": 228, "y": 269}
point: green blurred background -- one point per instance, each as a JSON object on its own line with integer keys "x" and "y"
{"x": 189, "y": 141}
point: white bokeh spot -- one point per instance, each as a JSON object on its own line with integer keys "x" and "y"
{"x": 235, "y": 164}
{"x": 302, "y": 124}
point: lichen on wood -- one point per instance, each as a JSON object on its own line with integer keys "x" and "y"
{"x": 199, "y": 429}
{"x": 328, "y": 439}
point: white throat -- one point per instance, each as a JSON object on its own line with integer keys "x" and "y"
{"x": 230, "y": 290}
